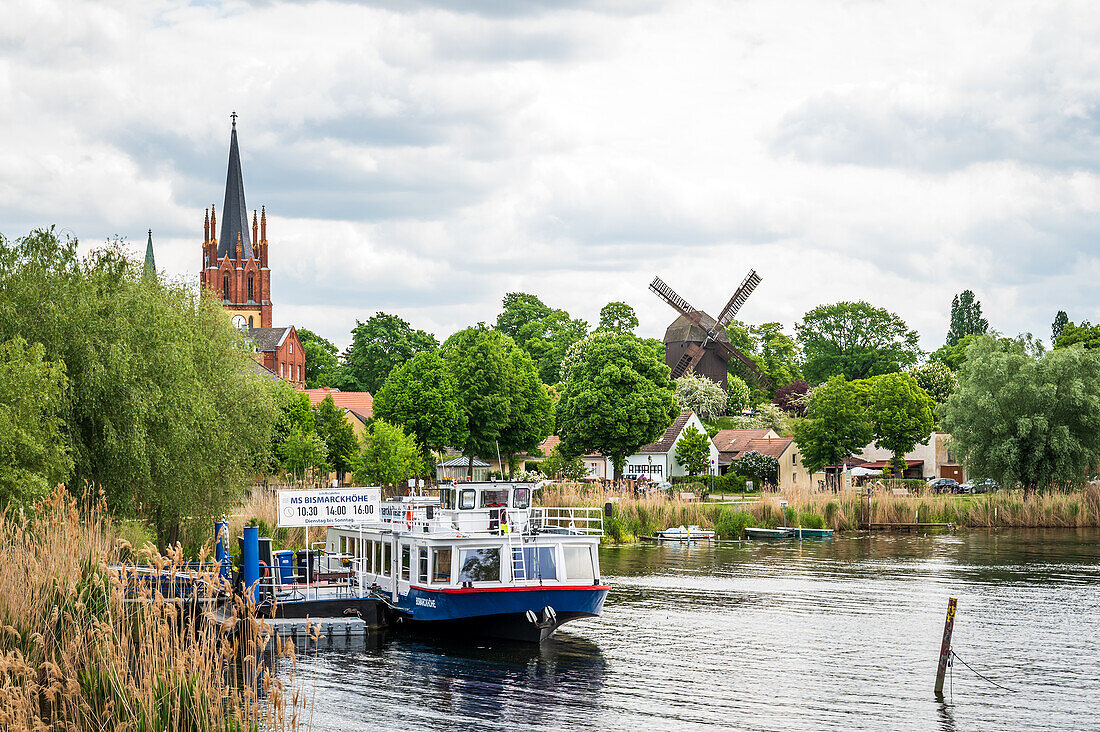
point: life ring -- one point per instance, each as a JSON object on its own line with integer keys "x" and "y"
{"x": 265, "y": 571}
{"x": 409, "y": 518}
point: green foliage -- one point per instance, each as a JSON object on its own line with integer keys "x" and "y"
{"x": 302, "y": 453}
{"x": 693, "y": 451}
{"x": 1086, "y": 334}
{"x": 761, "y": 469}
{"x": 774, "y": 352}
{"x": 559, "y": 466}
{"x": 34, "y": 451}
{"x": 1060, "y": 321}
{"x": 700, "y": 395}
{"x": 422, "y": 396}
{"x": 901, "y": 415}
{"x": 616, "y": 398}
{"x": 953, "y": 357}
{"x": 1028, "y": 419}
{"x": 341, "y": 444}
{"x": 855, "y": 340}
{"x": 617, "y": 317}
{"x": 836, "y": 425}
{"x": 545, "y": 334}
{"x": 531, "y": 414}
{"x": 966, "y": 318}
{"x": 739, "y": 395}
{"x": 390, "y": 456}
{"x": 165, "y": 412}
{"x": 322, "y": 366}
{"x": 936, "y": 379}
{"x": 377, "y": 347}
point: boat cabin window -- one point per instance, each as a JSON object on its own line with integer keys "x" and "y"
{"x": 441, "y": 565}
{"x": 538, "y": 561}
{"x": 447, "y": 499}
{"x": 521, "y": 497}
{"x": 387, "y": 557}
{"x": 422, "y": 574}
{"x": 492, "y": 497}
{"x": 406, "y": 552}
{"x": 466, "y": 499}
{"x": 479, "y": 565}
{"x": 377, "y": 556}
{"x": 578, "y": 563}
{"x": 343, "y": 545}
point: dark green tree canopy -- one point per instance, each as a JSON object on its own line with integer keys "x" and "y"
{"x": 618, "y": 317}
{"x": 422, "y": 396}
{"x": 322, "y": 366}
{"x": 544, "y": 333}
{"x": 855, "y": 340}
{"x": 901, "y": 415}
{"x": 953, "y": 357}
{"x": 1026, "y": 418}
{"x": 1085, "y": 334}
{"x": 966, "y": 317}
{"x": 693, "y": 451}
{"x": 341, "y": 444}
{"x": 836, "y": 425}
{"x": 617, "y": 397}
{"x": 377, "y": 347}
{"x": 774, "y": 352}
{"x": 1056, "y": 327}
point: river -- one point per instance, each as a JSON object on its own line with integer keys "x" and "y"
{"x": 834, "y": 634}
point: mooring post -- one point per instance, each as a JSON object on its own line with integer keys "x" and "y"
{"x": 945, "y": 648}
{"x": 250, "y": 561}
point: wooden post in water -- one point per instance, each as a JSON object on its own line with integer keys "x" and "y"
{"x": 945, "y": 647}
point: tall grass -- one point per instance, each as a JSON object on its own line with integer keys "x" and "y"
{"x": 632, "y": 518}
{"x": 80, "y": 649}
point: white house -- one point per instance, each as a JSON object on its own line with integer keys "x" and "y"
{"x": 657, "y": 461}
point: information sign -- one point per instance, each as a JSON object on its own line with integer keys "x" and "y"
{"x": 329, "y": 506}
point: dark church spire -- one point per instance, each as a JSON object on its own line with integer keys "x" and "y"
{"x": 234, "y": 210}
{"x": 150, "y": 270}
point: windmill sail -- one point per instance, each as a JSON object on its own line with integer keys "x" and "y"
{"x": 739, "y": 297}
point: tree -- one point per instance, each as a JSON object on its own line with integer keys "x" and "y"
{"x": 303, "y": 453}
{"x": 377, "y": 347}
{"x": 545, "y": 334}
{"x": 422, "y": 396}
{"x": 701, "y": 395}
{"x": 966, "y": 317}
{"x": 953, "y": 357}
{"x": 773, "y": 351}
{"x": 855, "y": 340}
{"x": 390, "y": 456}
{"x": 557, "y": 465}
{"x": 936, "y": 379}
{"x": 1060, "y": 321}
{"x": 321, "y": 365}
{"x": 341, "y": 444}
{"x": 763, "y": 469}
{"x": 739, "y": 395}
{"x": 1085, "y": 334}
{"x": 693, "y": 451}
{"x": 166, "y": 414}
{"x": 531, "y": 414}
{"x": 616, "y": 398}
{"x": 34, "y": 450}
{"x": 1025, "y": 418}
{"x": 617, "y": 317}
{"x": 519, "y": 311}
{"x": 836, "y": 425}
{"x": 480, "y": 362}
{"x": 901, "y": 415}
{"x": 792, "y": 397}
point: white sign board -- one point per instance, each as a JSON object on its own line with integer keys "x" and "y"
{"x": 329, "y": 506}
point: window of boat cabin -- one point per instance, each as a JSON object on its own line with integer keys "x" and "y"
{"x": 406, "y": 557}
{"x": 466, "y": 499}
{"x": 441, "y": 565}
{"x": 479, "y": 565}
{"x": 521, "y": 497}
{"x": 387, "y": 557}
{"x": 539, "y": 563}
{"x": 447, "y": 498}
{"x": 377, "y": 556}
{"x": 578, "y": 563}
{"x": 422, "y": 574}
{"x": 343, "y": 545}
{"x": 494, "y": 497}
{"x": 368, "y": 557}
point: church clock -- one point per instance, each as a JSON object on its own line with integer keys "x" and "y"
{"x": 239, "y": 321}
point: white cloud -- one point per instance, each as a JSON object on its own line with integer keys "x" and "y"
{"x": 425, "y": 161}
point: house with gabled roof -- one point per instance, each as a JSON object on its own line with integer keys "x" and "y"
{"x": 735, "y": 444}
{"x": 657, "y": 460}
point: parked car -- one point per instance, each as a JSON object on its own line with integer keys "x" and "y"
{"x": 943, "y": 485}
{"x": 965, "y": 488}
{"x": 986, "y": 485}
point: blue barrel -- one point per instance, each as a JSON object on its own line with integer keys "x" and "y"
{"x": 285, "y": 561}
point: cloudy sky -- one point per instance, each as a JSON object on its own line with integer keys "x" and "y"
{"x": 424, "y": 160}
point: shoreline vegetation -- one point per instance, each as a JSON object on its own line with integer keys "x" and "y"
{"x": 78, "y": 653}
{"x": 637, "y": 517}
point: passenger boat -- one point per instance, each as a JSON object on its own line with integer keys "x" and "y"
{"x": 685, "y": 534}
{"x": 476, "y": 559}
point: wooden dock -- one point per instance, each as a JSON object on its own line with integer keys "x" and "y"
{"x": 908, "y": 527}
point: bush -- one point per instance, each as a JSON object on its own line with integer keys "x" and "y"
{"x": 730, "y": 524}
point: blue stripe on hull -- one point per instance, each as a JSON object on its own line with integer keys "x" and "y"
{"x": 434, "y": 606}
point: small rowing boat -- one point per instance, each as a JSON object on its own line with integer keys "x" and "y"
{"x": 685, "y": 533}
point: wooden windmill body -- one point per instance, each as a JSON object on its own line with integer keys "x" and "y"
{"x": 697, "y": 342}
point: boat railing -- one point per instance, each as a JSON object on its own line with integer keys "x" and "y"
{"x": 587, "y": 520}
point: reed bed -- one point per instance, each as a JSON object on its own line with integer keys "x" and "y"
{"x": 85, "y": 645}
{"x": 635, "y": 517}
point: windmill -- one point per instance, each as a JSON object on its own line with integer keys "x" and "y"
{"x": 697, "y": 342}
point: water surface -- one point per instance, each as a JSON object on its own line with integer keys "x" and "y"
{"x": 840, "y": 634}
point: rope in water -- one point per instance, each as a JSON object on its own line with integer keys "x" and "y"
{"x": 979, "y": 675}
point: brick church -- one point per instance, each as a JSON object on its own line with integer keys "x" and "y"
{"x": 235, "y": 268}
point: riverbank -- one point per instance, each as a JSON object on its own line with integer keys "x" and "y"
{"x": 77, "y": 653}
{"x": 632, "y": 518}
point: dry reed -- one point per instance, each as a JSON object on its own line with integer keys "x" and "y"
{"x": 85, "y": 644}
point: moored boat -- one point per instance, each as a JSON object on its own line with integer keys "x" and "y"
{"x": 685, "y": 534}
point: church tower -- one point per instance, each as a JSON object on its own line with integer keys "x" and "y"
{"x": 234, "y": 263}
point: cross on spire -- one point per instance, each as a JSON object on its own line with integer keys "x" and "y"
{"x": 234, "y": 118}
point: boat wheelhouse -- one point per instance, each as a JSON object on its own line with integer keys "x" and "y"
{"x": 477, "y": 558}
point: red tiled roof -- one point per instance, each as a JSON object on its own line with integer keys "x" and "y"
{"x": 732, "y": 444}
{"x": 668, "y": 439}
{"x": 732, "y": 440}
{"x": 359, "y": 403}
